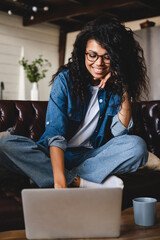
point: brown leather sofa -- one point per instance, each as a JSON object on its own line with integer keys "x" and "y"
{"x": 27, "y": 118}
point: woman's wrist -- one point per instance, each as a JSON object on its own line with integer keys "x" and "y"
{"x": 59, "y": 180}
{"x": 60, "y": 183}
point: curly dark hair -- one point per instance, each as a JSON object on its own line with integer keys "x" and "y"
{"x": 126, "y": 59}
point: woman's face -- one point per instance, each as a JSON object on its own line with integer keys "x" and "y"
{"x": 97, "y": 66}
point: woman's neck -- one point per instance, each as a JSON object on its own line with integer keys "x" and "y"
{"x": 94, "y": 82}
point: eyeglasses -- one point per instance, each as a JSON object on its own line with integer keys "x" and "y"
{"x": 93, "y": 57}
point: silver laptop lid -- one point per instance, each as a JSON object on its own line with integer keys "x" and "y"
{"x": 72, "y": 212}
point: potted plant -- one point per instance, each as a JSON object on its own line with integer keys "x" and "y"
{"x": 35, "y": 71}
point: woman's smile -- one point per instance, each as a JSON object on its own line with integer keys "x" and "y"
{"x": 98, "y": 70}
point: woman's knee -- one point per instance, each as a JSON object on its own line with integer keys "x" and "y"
{"x": 6, "y": 143}
{"x": 138, "y": 149}
{"x": 138, "y": 143}
{"x": 3, "y": 143}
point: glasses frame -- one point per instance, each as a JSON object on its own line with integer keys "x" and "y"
{"x": 97, "y": 56}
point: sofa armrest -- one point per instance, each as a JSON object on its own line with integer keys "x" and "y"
{"x": 146, "y": 117}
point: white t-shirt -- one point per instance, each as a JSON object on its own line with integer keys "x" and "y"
{"x": 85, "y": 131}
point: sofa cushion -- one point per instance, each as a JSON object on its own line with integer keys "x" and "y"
{"x": 11, "y": 214}
{"x": 11, "y": 184}
{"x": 3, "y": 134}
{"x": 153, "y": 162}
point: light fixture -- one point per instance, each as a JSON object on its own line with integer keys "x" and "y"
{"x": 9, "y": 12}
{"x": 45, "y": 8}
{"x": 34, "y": 9}
{"x": 31, "y": 18}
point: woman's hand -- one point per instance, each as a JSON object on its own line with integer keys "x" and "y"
{"x": 104, "y": 80}
{"x": 60, "y": 185}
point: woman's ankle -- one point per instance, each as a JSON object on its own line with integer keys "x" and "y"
{"x": 76, "y": 182}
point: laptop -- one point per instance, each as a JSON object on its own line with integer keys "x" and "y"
{"x": 72, "y": 212}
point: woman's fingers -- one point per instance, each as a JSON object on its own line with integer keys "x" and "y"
{"x": 104, "y": 80}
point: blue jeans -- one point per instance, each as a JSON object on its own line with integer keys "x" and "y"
{"x": 119, "y": 155}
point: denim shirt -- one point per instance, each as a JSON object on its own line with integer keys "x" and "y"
{"x": 65, "y": 114}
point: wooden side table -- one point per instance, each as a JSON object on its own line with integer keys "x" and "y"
{"x": 129, "y": 231}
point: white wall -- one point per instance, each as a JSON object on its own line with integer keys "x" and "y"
{"x": 69, "y": 44}
{"x": 149, "y": 38}
{"x": 16, "y": 41}
{"x": 135, "y": 25}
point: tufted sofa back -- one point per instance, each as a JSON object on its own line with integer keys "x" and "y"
{"x": 28, "y": 119}
{"x": 147, "y": 124}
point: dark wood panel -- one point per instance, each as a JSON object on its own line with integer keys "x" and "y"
{"x": 71, "y": 15}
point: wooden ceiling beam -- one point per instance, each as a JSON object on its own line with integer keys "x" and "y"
{"x": 148, "y": 4}
{"x": 11, "y": 5}
{"x": 16, "y": 9}
{"x": 20, "y": 8}
{"x": 68, "y": 11}
{"x": 75, "y": 1}
{"x": 69, "y": 19}
{"x": 137, "y": 15}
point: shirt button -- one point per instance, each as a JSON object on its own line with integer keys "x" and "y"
{"x": 47, "y": 123}
{"x": 70, "y": 115}
{"x": 100, "y": 100}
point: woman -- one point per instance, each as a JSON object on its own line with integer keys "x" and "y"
{"x": 88, "y": 117}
